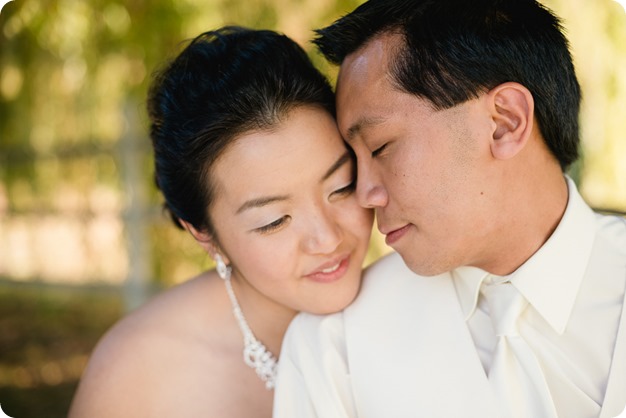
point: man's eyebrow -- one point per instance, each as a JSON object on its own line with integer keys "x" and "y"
{"x": 341, "y": 161}
{"x": 260, "y": 202}
{"x": 361, "y": 124}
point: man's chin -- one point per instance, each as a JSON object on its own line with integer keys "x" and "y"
{"x": 421, "y": 266}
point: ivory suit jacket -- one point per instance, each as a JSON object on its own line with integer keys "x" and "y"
{"x": 402, "y": 349}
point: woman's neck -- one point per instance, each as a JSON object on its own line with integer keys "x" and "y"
{"x": 267, "y": 319}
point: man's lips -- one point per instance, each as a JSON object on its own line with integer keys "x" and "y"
{"x": 394, "y": 235}
{"x": 330, "y": 270}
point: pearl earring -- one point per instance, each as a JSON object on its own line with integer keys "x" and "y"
{"x": 222, "y": 269}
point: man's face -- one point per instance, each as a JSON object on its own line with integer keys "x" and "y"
{"x": 426, "y": 172}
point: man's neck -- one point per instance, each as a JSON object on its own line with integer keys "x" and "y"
{"x": 531, "y": 217}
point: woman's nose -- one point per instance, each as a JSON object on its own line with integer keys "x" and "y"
{"x": 324, "y": 234}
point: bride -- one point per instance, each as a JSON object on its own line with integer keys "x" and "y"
{"x": 250, "y": 162}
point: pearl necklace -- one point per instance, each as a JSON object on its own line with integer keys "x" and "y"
{"x": 255, "y": 354}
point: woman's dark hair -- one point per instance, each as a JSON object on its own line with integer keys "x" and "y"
{"x": 225, "y": 83}
{"x": 454, "y": 50}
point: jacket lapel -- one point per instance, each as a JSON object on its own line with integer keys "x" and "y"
{"x": 615, "y": 397}
{"x": 410, "y": 351}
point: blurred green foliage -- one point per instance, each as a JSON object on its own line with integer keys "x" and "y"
{"x": 73, "y": 81}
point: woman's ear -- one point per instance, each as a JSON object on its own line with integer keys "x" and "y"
{"x": 203, "y": 238}
{"x": 206, "y": 241}
{"x": 512, "y": 110}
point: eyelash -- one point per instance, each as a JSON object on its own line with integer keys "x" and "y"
{"x": 379, "y": 150}
{"x": 349, "y": 189}
{"x": 273, "y": 226}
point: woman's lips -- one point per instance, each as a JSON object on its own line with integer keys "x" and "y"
{"x": 331, "y": 271}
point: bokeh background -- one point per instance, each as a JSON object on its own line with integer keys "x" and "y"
{"x": 82, "y": 236}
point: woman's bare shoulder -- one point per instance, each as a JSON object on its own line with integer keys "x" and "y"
{"x": 144, "y": 357}
{"x": 174, "y": 312}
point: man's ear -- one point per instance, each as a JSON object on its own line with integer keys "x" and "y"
{"x": 512, "y": 110}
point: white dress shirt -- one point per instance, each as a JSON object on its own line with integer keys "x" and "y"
{"x": 575, "y": 290}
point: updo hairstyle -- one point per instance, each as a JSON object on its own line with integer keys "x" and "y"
{"x": 225, "y": 83}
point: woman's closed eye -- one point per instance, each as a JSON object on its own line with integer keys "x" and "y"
{"x": 274, "y": 226}
{"x": 344, "y": 191}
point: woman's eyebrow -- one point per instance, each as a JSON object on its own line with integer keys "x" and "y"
{"x": 260, "y": 202}
{"x": 264, "y": 201}
{"x": 341, "y": 161}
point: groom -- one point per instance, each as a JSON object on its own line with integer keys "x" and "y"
{"x": 463, "y": 116}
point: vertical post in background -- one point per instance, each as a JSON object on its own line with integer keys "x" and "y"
{"x": 136, "y": 213}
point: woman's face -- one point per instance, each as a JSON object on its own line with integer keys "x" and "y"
{"x": 286, "y": 215}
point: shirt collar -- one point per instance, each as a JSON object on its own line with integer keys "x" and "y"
{"x": 551, "y": 278}
{"x": 467, "y": 281}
